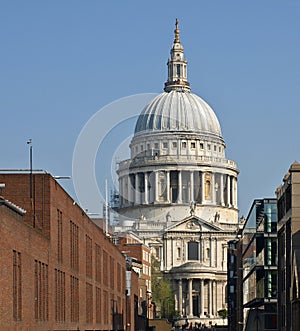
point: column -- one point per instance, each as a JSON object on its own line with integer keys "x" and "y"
{"x": 203, "y": 187}
{"x": 209, "y": 295}
{"x": 221, "y": 190}
{"x": 216, "y": 252}
{"x": 201, "y": 298}
{"x": 179, "y": 184}
{"x": 192, "y": 185}
{"x": 121, "y": 190}
{"x": 190, "y": 297}
{"x": 146, "y": 200}
{"x": 213, "y": 182}
{"x": 228, "y": 191}
{"x": 201, "y": 243}
{"x": 224, "y": 262}
{"x": 124, "y": 191}
{"x": 137, "y": 193}
{"x": 234, "y": 192}
{"x": 213, "y": 310}
{"x": 211, "y": 252}
{"x": 180, "y": 297}
{"x": 216, "y": 298}
{"x": 168, "y": 185}
{"x": 156, "y": 186}
{"x": 163, "y": 257}
{"x": 129, "y": 190}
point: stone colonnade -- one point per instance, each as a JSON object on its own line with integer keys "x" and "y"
{"x": 178, "y": 186}
{"x": 199, "y": 297}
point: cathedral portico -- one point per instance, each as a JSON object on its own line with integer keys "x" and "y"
{"x": 198, "y": 297}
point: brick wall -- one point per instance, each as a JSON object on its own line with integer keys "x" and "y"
{"x": 56, "y": 248}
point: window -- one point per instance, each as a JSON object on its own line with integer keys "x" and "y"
{"x": 183, "y": 144}
{"x": 74, "y": 287}
{"x": 74, "y": 246}
{"x": 60, "y": 296}
{"x": 207, "y": 253}
{"x": 208, "y": 147}
{"x": 219, "y": 149}
{"x": 178, "y": 252}
{"x": 201, "y": 146}
{"x": 193, "y": 250}
{"x": 119, "y": 282}
{"x": 106, "y": 310}
{"x": 215, "y": 148}
{"x": 17, "y": 286}
{"x": 89, "y": 257}
{"x": 112, "y": 272}
{"x": 98, "y": 263}
{"x": 174, "y": 144}
{"x": 89, "y": 303}
{"x": 98, "y": 305}
{"x": 156, "y": 145}
{"x": 142, "y": 147}
{"x": 165, "y": 144}
{"x": 193, "y": 145}
{"x": 105, "y": 270}
{"x": 59, "y": 236}
{"x": 178, "y": 69}
{"x": 148, "y": 146}
{"x": 41, "y": 312}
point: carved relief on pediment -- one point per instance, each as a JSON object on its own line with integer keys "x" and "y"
{"x": 192, "y": 225}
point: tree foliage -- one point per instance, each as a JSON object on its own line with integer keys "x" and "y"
{"x": 223, "y": 313}
{"x": 161, "y": 291}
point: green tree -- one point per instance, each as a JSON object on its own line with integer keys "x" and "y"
{"x": 223, "y": 313}
{"x": 161, "y": 292}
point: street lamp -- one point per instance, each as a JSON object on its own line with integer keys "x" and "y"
{"x": 32, "y": 194}
{"x": 29, "y": 142}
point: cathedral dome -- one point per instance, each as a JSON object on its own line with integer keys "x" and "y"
{"x": 180, "y": 111}
{"x": 177, "y": 109}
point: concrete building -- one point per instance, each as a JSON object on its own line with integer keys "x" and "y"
{"x": 289, "y": 250}
{"x": 178, "y": 193}
{"x": 52, "y": 257}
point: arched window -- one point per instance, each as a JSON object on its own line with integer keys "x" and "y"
{"x": 207, "y": 253}
{"x": 178, "y": 252}
{"x": 207, "y": 190}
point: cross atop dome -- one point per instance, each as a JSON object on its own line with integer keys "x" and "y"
{"x": 177, "y": 66}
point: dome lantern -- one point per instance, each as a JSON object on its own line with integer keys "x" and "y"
{"x": 177, "y": 66}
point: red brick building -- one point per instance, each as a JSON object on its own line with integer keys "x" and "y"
{"x": 58, "y": 271}
{"x": 140, "y": 256}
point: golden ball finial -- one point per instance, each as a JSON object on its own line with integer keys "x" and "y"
{"x": 176, "y": 31}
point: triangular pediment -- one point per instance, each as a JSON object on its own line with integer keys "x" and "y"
{"x": 193, "y": 224}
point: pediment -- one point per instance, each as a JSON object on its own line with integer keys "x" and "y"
{"x": 193, "y": 224}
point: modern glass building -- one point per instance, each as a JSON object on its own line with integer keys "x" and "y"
{"x": 259, "y": 266}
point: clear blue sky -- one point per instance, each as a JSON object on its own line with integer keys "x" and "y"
{"x": 61, "y": 61}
